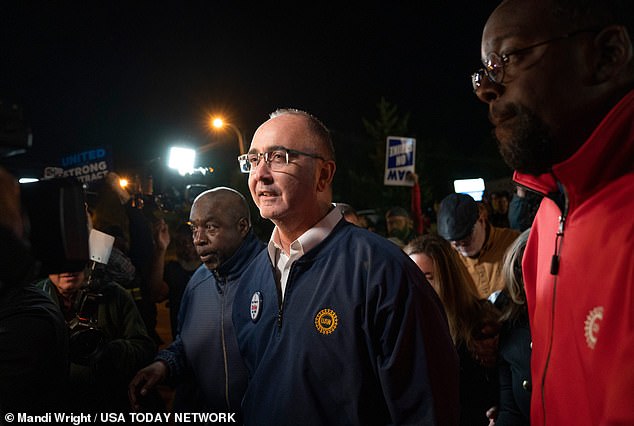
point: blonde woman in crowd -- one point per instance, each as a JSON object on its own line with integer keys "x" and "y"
{"x": 473, "y": 323}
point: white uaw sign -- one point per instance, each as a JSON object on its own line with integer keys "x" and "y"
{"x": 400, "y": 154}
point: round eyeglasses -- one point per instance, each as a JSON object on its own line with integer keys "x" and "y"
{"x": 495, "y": 64}
{"x": 276, "y": 159}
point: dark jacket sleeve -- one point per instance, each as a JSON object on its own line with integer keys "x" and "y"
{"x": 33, "y": 354}
{"x": 409, "y": 351}
{"x": 174, "y": 354}
{"x": 508, "y": 412}
{"x": 129, "y": 347}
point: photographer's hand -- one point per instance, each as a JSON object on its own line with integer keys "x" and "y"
{"x": 144, "y": 381}
{"x": 161, "y": 235}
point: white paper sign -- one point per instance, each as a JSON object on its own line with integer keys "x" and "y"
{"x": 400, "y": 155}
{"x": 100, "y": 246}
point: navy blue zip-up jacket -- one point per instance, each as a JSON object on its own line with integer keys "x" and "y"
{"x": 204, "y": 359}
{"x": 361, "y": 338}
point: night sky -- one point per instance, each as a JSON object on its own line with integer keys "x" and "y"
{"x": 139, "y": 76}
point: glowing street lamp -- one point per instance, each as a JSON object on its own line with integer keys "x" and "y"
{"x": 219, "y": 123}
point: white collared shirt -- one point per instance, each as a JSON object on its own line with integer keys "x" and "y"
{"x": 307, "y": 241}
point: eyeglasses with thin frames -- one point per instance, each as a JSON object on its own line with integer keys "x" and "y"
{"x": 495, "y": 64}
{"x": 276, "y": 159}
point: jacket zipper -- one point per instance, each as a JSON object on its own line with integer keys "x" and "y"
{"x": 554, "y": 270}
{"x": 279, "y": 317}
{"x": 554, "y": 261}
{"x": 282, "y": 299}
{"x": 280, "y": 309}
{"x": 224, "y": 343}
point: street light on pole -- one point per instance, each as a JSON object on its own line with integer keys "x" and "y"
{"x": 219, "y": 123}
{"x": 183, "y": 159}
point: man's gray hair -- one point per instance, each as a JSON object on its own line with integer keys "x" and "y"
{"x": 315, "y": 126}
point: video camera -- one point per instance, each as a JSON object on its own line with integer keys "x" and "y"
{"x": 86, "y": 337}
{"x": 56, "y": 224}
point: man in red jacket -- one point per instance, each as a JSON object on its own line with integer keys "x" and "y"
{"x": 558, "y": 79}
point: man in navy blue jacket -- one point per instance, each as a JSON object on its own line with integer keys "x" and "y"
{"x": 336, "y": 324}
{"x": 204, "y": 360}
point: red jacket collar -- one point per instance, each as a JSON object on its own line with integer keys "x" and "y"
{"x": 606, "y": 155}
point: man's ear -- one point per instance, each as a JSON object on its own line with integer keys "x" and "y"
{"x": 243, "y": 226}
{"x": 326, "y": 174}
{"x": 614, "y": 48}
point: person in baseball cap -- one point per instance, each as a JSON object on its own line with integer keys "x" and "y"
{"x": 480, "y": 244}
{"x": 457, "y": 216}
{"x": 399, "y": 226}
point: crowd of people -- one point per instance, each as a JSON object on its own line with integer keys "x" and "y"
{"x": 498, "y": 313}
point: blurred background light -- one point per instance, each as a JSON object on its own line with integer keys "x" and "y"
{"x": 182, "y": 160}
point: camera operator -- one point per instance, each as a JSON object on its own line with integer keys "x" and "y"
{"x": 108, "y": 339}
{"x": 33, "y": 336}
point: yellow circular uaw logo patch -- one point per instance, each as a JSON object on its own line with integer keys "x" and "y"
{"x": 326, "y": 321}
